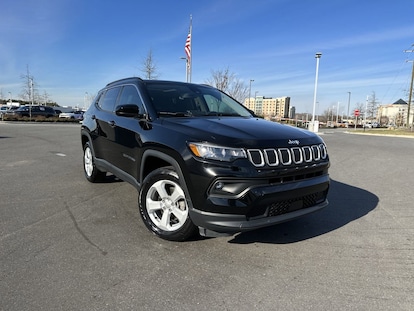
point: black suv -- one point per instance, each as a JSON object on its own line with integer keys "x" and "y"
{"x": 33, "y": 111}
{"x": 201, "y": 160}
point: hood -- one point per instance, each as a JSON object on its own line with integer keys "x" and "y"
{"x": 241, "y": 132}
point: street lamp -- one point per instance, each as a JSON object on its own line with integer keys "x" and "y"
{"x": 32, "y": 96}
{"x": 337, "y": 114}
{"x": 315, "y": 125}
{"x": 411, "y": 89}
{"x": 255, "y": 102}
{"x": 85, "y": 99}
{"x": 349, "y": 102}
{"x": 250, "y": 90}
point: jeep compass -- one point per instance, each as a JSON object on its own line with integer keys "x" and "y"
{"x": 200, "y": 161}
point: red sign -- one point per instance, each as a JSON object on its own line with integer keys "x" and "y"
{"x": 356, "y": 112}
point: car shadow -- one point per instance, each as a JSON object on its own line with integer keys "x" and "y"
{"x": 346, "y": 204}
{"x": 109, "y": 178}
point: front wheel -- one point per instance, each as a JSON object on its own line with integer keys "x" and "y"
{"x": 163, "y": 206}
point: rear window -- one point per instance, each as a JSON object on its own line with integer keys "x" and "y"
{"x": 108, "y": 100}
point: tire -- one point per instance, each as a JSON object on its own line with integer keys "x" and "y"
{"x": 163, "y": 206}
{"x": 92, "y": 173}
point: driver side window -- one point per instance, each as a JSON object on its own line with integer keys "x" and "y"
{"x": 130, "y": 96}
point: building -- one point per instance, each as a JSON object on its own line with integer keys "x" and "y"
{"x": 292, "y": 112}
{"x": 395, "y": 114}
{"x": 268, "y": 106}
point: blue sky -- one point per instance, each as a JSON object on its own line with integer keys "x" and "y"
{"x": 78, "y": 46}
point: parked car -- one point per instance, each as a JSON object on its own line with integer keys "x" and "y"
{"x": 201, "y": 162}
{"x": 72, "y": 115}
{"x": 33, "y": 111}
{"x": 3, "y": 110}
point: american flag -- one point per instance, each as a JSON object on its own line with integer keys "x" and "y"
{"x": 187, "y": 47}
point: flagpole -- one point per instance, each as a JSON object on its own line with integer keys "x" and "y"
{"x": 189, "y": 69}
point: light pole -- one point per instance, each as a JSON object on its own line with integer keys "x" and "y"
{"x": 85, "y": 98}
{"x": 411, "y": 89}
{"x": 255, "y": 102}
{"x": 349, "y": 102}
{"x": 365, "y": 112}
{"x": 32, "y": 97}
{"x": 315, "y": 126}
{"x": 410, "y": 97}
{"x": 250, "y": 90}
{"x": 337, "y": 114}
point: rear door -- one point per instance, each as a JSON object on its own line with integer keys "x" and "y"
{"x": 128, "y": 133}
{"x": 104, "y": 117}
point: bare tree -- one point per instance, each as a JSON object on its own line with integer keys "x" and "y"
{"x": 149, "y": 68}
{"x": 325, "y": 116}
{"x": 361, "y": 107}
{"x": 372, "y": 107}
{"x": 45, "y": 98}
{"x": 227, "y": 82}
{"x": 29, "y": 91}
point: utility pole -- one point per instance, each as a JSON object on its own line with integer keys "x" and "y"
{"x": 337, "y": 114}
{"x": 410, "y": 97}
{"x": 315, "y": 127}
{"x": 32, "y": 99}
{"x": 411, "y": 90}
{"x": 365, "y": 113}
{"x": 250, "y": 91}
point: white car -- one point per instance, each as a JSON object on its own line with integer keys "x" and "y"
{"x": 3, "y": 110}
{"x": 78, "y": 115}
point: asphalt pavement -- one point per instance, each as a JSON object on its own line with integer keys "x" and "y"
{"x": 67, "y": 244}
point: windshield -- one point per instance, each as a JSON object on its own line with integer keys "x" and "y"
{"x": 179, "y": 99}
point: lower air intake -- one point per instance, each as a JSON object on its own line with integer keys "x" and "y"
{"x": 287, "y": 206}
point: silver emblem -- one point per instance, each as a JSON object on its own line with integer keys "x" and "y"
{"x": 293, "y": 142}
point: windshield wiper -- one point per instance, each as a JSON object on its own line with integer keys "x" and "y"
{"x": 175, "y": 114}
{"x": 223, "y": 114}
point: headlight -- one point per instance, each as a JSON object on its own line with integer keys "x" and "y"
{"x": 214, "y": 152}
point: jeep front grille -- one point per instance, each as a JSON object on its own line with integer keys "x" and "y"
{"x": 287, "y": 156}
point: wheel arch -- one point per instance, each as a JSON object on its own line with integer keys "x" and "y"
{"x": 153, "y": 159}
{"x": 85, "y": 137}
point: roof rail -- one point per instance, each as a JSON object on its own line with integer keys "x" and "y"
{"x": 123, "y": 80}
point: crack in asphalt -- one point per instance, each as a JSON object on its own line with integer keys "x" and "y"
{"x": 86, "y": 238}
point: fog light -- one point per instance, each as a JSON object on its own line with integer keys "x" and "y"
{"x": 219, "y": 186}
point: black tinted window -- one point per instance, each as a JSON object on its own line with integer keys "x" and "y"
{"x": 130, "y": 96}
{"x": 192, "y": 99}
{"x": 107, "y": 101}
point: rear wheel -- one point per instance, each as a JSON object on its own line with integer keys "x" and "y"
{"x": 92, "y": 173}
{"x": 163, "y": 206}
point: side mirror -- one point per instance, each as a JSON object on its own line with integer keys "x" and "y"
{"x": 252, "y": 113}
{"x": 129, "y": 111}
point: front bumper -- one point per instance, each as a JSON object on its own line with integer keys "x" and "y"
{"x": 262, "y": 206}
